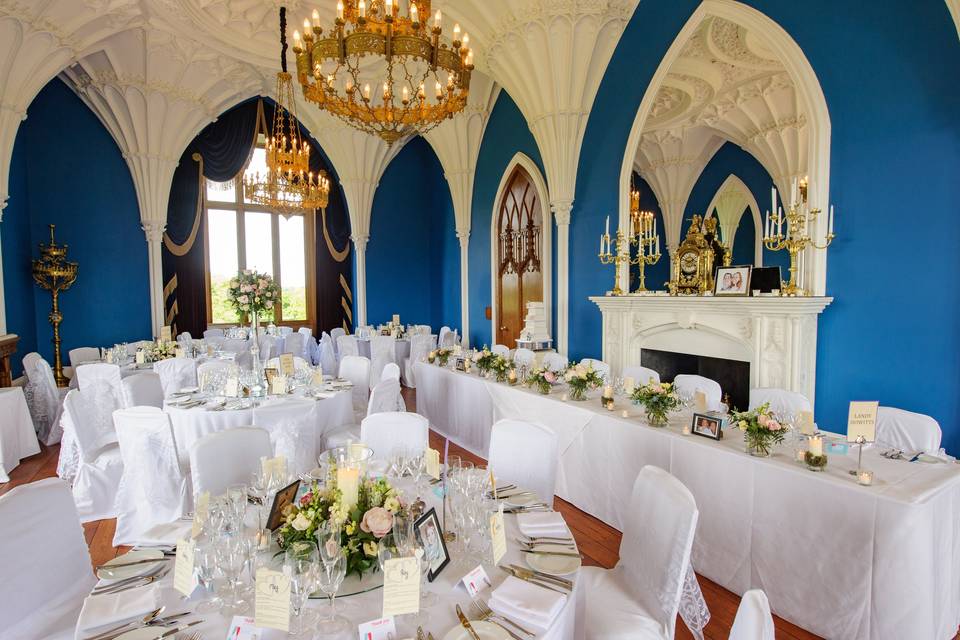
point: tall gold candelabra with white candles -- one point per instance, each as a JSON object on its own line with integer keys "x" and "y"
{"x": 797, "y": 238}
{"x": 647, "y": 239}
{"x": 616, "y": 254}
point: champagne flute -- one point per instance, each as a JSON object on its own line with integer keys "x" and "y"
{"x": 300, "y": 564}
{"x": 330, "y": 579}
{"x": 205, "y": 566}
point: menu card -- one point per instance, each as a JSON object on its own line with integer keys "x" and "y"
{"x": 286, "y": 364}
{"x": 498, "y": 538}
{"x": 272, "y": 602}
{"x": 862, "y": 421}
{"x": 401, "y": 586}
{"x": 183, "y": 577}
{"x": 141, "y": 357}
{"x": 433, "y": 463}
{"x": 200, "y": 513}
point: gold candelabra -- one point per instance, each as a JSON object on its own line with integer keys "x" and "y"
{"x": 616, "y": 257}
{"x": 647, "y": 240}
{"x": 54, "y": 273}
{"x": 797, "y": 237}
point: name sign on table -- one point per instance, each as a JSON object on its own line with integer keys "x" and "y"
{"x": 184, "y": 579}
{"x": 200, "y": 513}
{"x": 140, "y": 357}
{"x": 433, "y": 463}
{"x": 498, "y": 537}
{"x": 243, "y": 628}
{"x": 286, "y": 364}
{"x": 165, "y": 334}
{"x": 862, "y": 421}
{"x": 476, "y": 581}
{"x": 401, "y": 586}
{"x": 382, "y": 629}
{"x": 272, "y": 600}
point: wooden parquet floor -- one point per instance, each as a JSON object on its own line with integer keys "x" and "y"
{"x": 598, "y": 542}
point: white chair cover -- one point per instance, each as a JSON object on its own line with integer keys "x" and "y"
{"x": 554, "y": 361}
{"x": 356, "y": 369}
{"x": 328, "y": 355}
{"x": 184, "y": 335}
{"x": 82, "y": 355}
{"x": 43, "y": 399}
{"x": 294, "y": 343}
{"x": 285, "y": 331}
{"x": 176, "y": 373}
{"x": 46, "y": 564}
{"x": 235, "y": 345}
{"x": 787, "y": 405}
{"x": 444, "y": 330}
{"x": 142, "y": 390}
{"x": 524, "y": 358}
{"x": 347, "y": 346}
{"x": 299, "y": 364}
{"x": 753, "y": 621}
{"x": 212, "y": 366}
{"x": 383, "y": 432}
{"x": 641, "y": 375}
{"x": 390, "y": 372}
{"x": 448, "y": 339}
{"x": 213, "y": 333}
{"x": 383, "y": 349}
{"x": 420, "y": 346}
{"x": 335, "y": 335}
{"x": 500, "y": 350}
{"x": 293, "y": 433}
{"x": 270, "y": 346}
{"x": 688, "y": 384}
{"x": 100, "y": 386}
{"x": 309, "y": 344}
{"x": 152, "y": 488}
{"x": 133, "y": 347}
{"x": 601, "y": 367}
{"x": 386, "y": 397}
{"x": 99, "y": 465}
{"x": 512, "y": 443}
{"x": 907, "y": 431}
{"x": 227, "y": 457}
{"x": 640, "y": 597}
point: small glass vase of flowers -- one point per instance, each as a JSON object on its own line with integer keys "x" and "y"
{"x": 761, "y": 431}
{"x": 658, "y": 399}
{"x": 500, "y": 368}
{"x": 443, "y": 354}
{"x": 485, "y": 360}
{"x": 542, "y": 379}
{"x": 160, "y": 350}
{"x": 580, "y": 379}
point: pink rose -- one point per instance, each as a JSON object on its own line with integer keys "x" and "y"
{"x": 773, "y": 425}
{"x": 377, "y": 521}
{"x": 549, "y": 376}
{"x": 305, "y": 500}
{"x": 244, "y": 299}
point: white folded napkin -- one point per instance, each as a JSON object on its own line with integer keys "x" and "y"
{"x": 542, "y": 523}
{"x": 527, "y": 604}
{"x": 111, "y": 608}
{"x": 165, "y": 534}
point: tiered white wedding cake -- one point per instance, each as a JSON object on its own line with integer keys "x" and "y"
{"x": 536, "y": 332}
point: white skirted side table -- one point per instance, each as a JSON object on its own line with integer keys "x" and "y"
{"x": 18, "y": 440}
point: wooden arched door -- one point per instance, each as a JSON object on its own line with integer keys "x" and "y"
{"x": 519, "y": 253}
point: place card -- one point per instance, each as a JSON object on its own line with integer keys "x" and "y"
{"x": 232, "y": 388}
{"x": 141, "y": 357}
{"x": 806, "y": 423}
{"x": 862, "y": 421}
{"x": 243, "y": 628}
{"x": 165, "y": 334}
{"x": 432, "y": 457}
{"x": 200, "y": 510}
{"x": 178, "y": 353}
{"x": 700, "y": 401}
{"x": 184, "y": 579}
{"x": 272, "y": 600}
{"x": 382, "y": 629}
{"x": 348, "y": 481}
{"x": 401, "y": 585}
{"x": 278, "y": 385}
{"x": 476, "y": 581}
{"x": 286, "y": 364}
{"x": 498, "y": 537}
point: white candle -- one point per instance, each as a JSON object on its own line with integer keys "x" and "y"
{"x": 607, "y": 232}
{"x": 340, "y": 9}
{"x": 766, "y": 225}
{"x": 436, "y": 19}
{"x": 413, "y": 12}
{"x": 793, "y": 191}
{"x": 816, "y": 446}
{"x": 601, "y": 244}
{"x": 830, "y": 226}
{"x": 865, "y": 477}
{"x": 780, "y": 222}
{"x": 608, "y": 391}
{"x": 363, "y": 8}
{"x": 773, "y": 198}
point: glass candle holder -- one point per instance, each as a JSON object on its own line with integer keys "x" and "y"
{"x": 815, "y": 462}
{"x": 865, "y": 477}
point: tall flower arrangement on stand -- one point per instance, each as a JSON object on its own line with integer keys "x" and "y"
{"x": 252, "y": 293}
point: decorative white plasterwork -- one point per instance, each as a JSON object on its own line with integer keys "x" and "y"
{"x": 730, "y": 201}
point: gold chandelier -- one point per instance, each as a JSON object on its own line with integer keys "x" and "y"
{"x": 289, "y": 185}
{"x": 410, "y": 61}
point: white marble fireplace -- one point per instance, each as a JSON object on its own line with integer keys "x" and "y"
{"x": 777, "y": 336}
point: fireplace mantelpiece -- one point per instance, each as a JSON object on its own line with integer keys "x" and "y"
{"x": 777, "y": 336}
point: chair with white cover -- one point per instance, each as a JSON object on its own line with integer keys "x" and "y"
{"x": 908, "y": 431}
{"x": 99, "y": 465}
{"x": 640, "y": 597}
{"x": 442, "y": 334}
{"x": 641, "y": 375}
{"x": 384, "y": 432}
{"x": 309, "y": 344}
{"x": 133, "y": 347}
{"x": 383, "y": 350}
{"x": 754, "y": 620}
{"x": 688, "y": 384}
{"x": 285, "y": 330}
{"x": 553, "y": 361}
{"x": 101, "y": 386}
{"x": 292, "y": 426}
{"x": 153, "y": 489}
{"x": 328, "y": 355}
{"x": 235, "y": 345}
{"x": 420, "y": 346}
{"x": 142, "y": 390}
{"x": 523, "y": 357}
{"x": 270, "y": 346}
{"x": 209, "y": 367}
{"x": 601, "y": 367}
{"x": 335, "y": 335}
{"x": 44, "y": 398}
{"x": 500, "y": 350}
{"x": 391, "y": 371}
{"x": 176, "y": 374}
{"x": 511, "y": 444}
{"x": 46, "y": 562}
{"x": 83, "y": 355}
{"x": 356, "y": 369}
{"x": 347, "y": 346}
{"x": 784, "y": 404}
{"x": 223, "y": 458}
{"x": 448, "y": 339}
{"x": 386, "y": 397}
{"x": 294, "y": 343}
{"x": 423, "y": 329}
{"x": 213, "y": 333}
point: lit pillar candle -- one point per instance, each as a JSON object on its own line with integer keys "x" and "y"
{"x": 437, "y": 17}
{"x": 456, "y": 32}
{"x": 816, "y": 446}
{"x": 340, "y": 9}
{"x": 413, "y": 12}
{"x": 296, "y": 39}
{"x": 316, "y": 18}
{"x": 608, "y": 392}
{"x": 389, "y": 7}
{"x": 306, "y": 27}
{"x": 363, "y": 8}
{"x": 348, "y": 481}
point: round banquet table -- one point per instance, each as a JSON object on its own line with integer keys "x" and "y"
{"x": 367, "y": 606}
{"x": 18, "y": 440}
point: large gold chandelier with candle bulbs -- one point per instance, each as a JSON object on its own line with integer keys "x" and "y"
{"x": 382, "y": 72}
{"x": 289, "y": 185}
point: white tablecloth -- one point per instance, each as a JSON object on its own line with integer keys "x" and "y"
{"x": 838, "y": 559}
{"x": 401, "y": 348}
{"x": 18, "y": 440}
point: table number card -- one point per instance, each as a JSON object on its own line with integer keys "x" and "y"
{"x": 806, "y": 423}
{"x": 184, "y": 580}
{"x": 401, "y": 586}
{"x": 383, "y": 629}
{"x": 476, "y": 581}
{"x": 272, "y": 601}
{"x": 165, "y": 334}
{"x": 200, "y": 513}
{"x": 700, "y": 401}
{"x": 498, "y": 537}
{"x": 433, "y": 463}
{"x": 286, "y": 364}
{"x": 862, "y": 421}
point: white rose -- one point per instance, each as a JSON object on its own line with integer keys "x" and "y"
{"x": 301, "y": 522}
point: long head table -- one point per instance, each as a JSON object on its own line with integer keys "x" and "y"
{"x": 836, "y": 558}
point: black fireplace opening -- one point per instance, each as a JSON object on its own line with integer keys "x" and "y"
{"x": 732, "y": 375}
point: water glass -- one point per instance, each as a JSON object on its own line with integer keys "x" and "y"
{"x": 330, "y": 579}
{"x": 301, "y": 566}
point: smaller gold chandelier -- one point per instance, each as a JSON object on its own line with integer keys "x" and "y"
{"x": 289, "y": 185}
{"x": 401, "y": 54}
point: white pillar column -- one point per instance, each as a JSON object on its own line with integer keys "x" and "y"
{"x": 561, "y": 212}
{"x": 464, "y": 238}
{"x": 360, "y": 286}
{"x": 3, "y": 299}
{"x": 154, "y": 233}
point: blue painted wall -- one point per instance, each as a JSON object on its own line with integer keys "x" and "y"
{"x": 415, "y": 274}
{"x": 506, "y": 134}
{"x": 85, "y": 188}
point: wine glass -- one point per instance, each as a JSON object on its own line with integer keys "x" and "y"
{"x": 330, "y": 579}
{"x": 301, "y": 566}
{"x": 236, "y": 504}
{"x": 205, "y": 566}
{"x": 403, "y": 534}
{"x": 231, "y": 555}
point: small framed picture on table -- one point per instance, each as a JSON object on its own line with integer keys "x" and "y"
{"x": 708, "y": 425}
{"x": 430, "y": 534}
{"x": 732, "y": 281}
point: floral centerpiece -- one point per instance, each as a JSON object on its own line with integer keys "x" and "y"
{"x": 761, "y": 431}
{"x": 362, "y": 525}
{"x": 543, "y": 379}
{"x": 443, "y": 354}
{"x": 580, "y": 379}
{"x": 252, "y": 293}
{"x": 501, "y": 368}
{"x": 657, "y": 399}
{"x": 160, "y": 350}
{"x": 485, "y": 359}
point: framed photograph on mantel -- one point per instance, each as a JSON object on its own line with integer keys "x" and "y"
{"x": 732, "y": 281}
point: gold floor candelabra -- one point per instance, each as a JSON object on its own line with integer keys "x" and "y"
{"x": 647, "y": 239}
{"x": 54, "y": 273}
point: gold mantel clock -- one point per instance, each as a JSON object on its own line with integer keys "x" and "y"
{"x": 693, "y": 265}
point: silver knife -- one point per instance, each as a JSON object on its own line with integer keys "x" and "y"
{"x": 167, "y": 634}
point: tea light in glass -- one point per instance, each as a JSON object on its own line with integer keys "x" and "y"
{"x": 865, "y": 477}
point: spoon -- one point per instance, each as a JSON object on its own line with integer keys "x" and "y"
{"x": 147, "y": 619}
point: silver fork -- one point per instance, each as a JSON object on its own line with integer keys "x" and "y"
{"x": 486, "y": 613}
